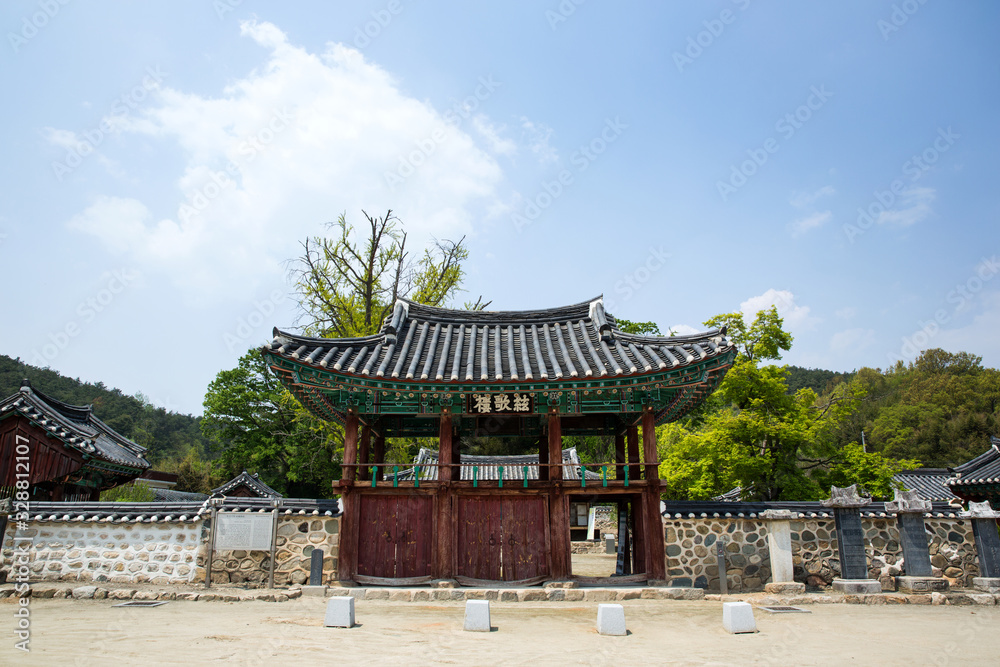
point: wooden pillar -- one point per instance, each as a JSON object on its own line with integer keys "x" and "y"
{"x": 656, "y": 567}
{"x": 350, "y": 448}
{"x": 445, "y": 535}
{"x": 379, "y": 456}
{"x": 635, "y": 524}
{"x": 650, "y": 456}
{"x": 543, "y": 459}
{"x": 559, "y": 535}
{"x": 456, "y": 456}
{"x": 558, "y": 504}
{"x": 634, "y": 471}
{"x": 555, "y": 447}
{"x": 620, "y": 456}
{"x": 363, "y": 452}
{"x": 347, "y": 563}
{"x": 444, "y": 448}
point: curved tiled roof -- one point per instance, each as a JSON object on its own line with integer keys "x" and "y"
{"x": 74, "y": 425}
{"x": 171, "y": 496}
{"x": 984, "y": 469}
{"x": 420, "y": 343}
{"x": 252, "y": 482}
{"x": 929, "y": 483}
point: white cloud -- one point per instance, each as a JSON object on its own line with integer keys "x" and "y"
{"x": 803, "y": 225}
{"x": 683, "y": 330}
{"x": 796, "y": 317}
{"x": 536, "y": 135}
{"x": 976, "y": 337}
{"x": 804, "y": 199}
{"x": 66, "y": 139}
{"x": 274, "y": 155}
{"x": 491, "y": 134}
{"x": 846, "y": 313}
{"x": 852, "y": 340}
{"x": 916, "y": 203}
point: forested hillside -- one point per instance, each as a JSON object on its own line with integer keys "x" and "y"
{"x": 817, "y": 379}
{"x": 169, "y": 436}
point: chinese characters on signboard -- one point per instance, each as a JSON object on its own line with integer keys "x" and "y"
{"x": 507, "y": 403}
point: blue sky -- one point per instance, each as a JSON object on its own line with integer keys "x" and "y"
{"x": 163, "y": 160}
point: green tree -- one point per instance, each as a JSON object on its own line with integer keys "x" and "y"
{"x": 347, "y": 288}
{"x": 637, "y": 328}
{"x": 940, "y": 409}
{"x": 753, "y": 433}
{"x": 254, "y": 423}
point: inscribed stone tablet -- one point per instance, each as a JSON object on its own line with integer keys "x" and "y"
{"x": 913, "y": 537}
{"x": 851, "y": 544}
{"x": 236, "y": 530}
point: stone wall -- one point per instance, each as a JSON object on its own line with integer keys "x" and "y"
{"x": 297, "y": 537}
{"x": 691, "y": 551}
{"x": 160, "y": 553}
{"x": 171, "y": 552}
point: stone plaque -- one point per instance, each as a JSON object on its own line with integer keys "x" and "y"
{"x": 987, "y": 547}
{"x": 248, "y": 532}
{"x": 917, "y": 560}
{"x": 851, "y": 544}
{"x": 316, "y": 568}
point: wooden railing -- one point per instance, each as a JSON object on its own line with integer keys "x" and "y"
{"x": 614, "y": 474}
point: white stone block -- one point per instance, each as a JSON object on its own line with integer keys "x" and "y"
{"x": 611, "y": 619}
{"x": 340, "y": 612}
{"x": 737, "y": 617}
{"x": 477, "y": 615}
{"x": 779, "y": 546}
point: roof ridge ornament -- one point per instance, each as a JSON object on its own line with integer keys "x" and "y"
{"x": 981, "y": 511}
{"x": 600, "y": 319}
{"x": 907, "y": 501}
{"x": 399, "y": 314}
{"x": 845, "y": 497}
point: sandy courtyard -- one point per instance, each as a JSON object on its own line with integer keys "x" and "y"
{"x": 68, "y": 632}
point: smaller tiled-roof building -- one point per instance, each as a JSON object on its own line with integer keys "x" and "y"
{"x": 64, "y": 451}
{"x": 929, "y": 483}
{"x": 246, "y": 485}
{"x": 979, "y": 479}
{"x": 487, "y": 468}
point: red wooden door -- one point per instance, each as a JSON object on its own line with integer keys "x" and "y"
{"x": 395, "y": 536}
{"x": 524, "y": 550}
{"x": 479, "y": 522}
{"x": 414, "y": 530}
{"x": 502, "y": 539}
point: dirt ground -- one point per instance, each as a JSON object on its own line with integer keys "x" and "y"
{"x": 594, "y": 565}
{"x": 92, "y": 632}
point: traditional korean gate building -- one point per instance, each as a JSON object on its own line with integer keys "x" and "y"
{"x": 451, "y": 374}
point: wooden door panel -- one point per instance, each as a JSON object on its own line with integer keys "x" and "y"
{"x": 414, "y": 530}
{"x": 524, "y": 552}
{"x": 479, "y": 535}
{"x": 395, "y": 536}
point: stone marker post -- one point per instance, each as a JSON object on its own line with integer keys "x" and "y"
{"x": 779, "y": 546}
{"x": 846, "y": 506}
{"x": 984, "y": 529}
{"x": 315, "y": 586}
{"x": 316, "y": 568}
{"x": 910, "y": 509}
